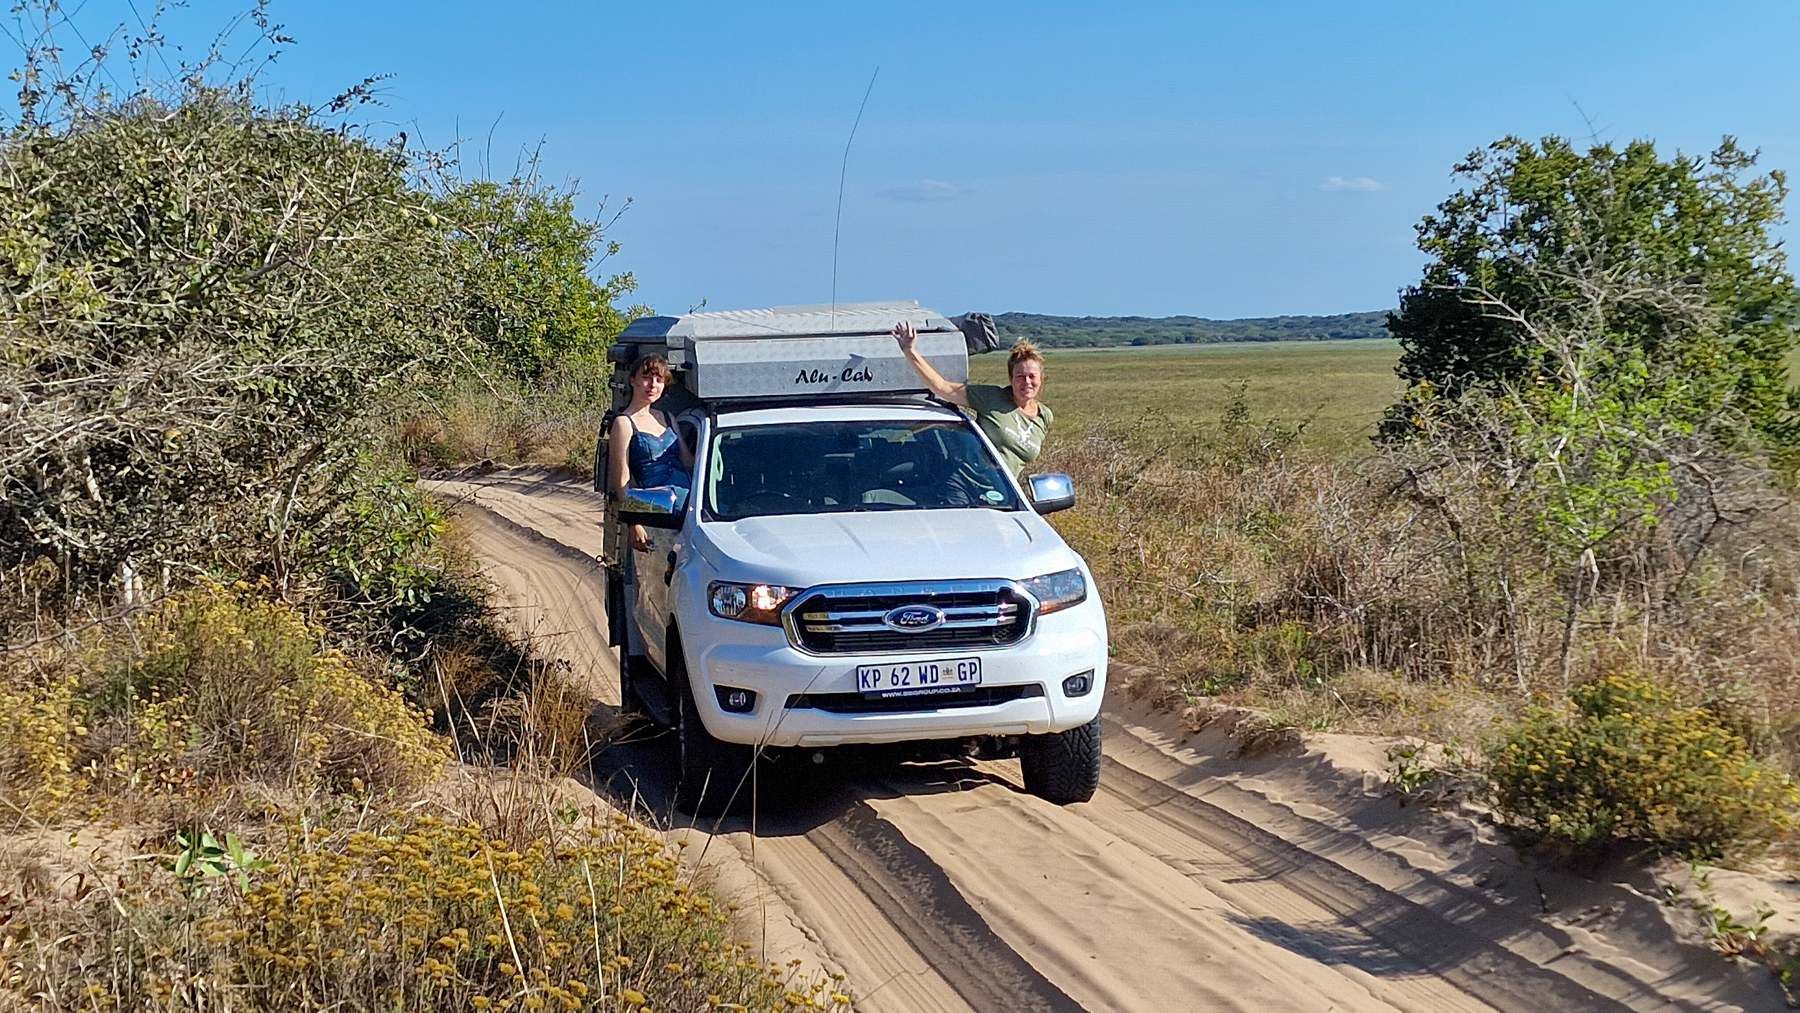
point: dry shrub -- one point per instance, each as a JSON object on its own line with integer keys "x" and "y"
{"x": 215, "y": 687}
{"x": 414, "y": 914}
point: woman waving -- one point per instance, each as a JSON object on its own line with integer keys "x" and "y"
{"x": 1013, "y": 418}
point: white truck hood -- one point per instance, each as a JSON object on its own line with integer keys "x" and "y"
{"x": 803, "y": 550}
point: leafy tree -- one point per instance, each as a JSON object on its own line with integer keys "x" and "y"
{"x": 1540, "y": 229}
{"x": 210, "y": 307}
{"x": 203, "y": 301}
{"x": 523, "y": 257}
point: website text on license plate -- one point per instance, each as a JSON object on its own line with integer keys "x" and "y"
{"x": 918, "y": 678}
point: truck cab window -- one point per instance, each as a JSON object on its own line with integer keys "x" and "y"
{"x": 831, "y": 467}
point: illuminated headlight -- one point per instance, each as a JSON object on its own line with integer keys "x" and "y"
{"x": 1057, "y": 591}
{"x": 749, "y": 603}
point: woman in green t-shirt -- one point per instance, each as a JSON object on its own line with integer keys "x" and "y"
{"x": 1013, "y": 418}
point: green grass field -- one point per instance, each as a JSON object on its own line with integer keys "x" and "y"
{"x": 1343, "y": 386}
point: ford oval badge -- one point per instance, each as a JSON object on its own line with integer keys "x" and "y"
{"x": 913, "y": 618}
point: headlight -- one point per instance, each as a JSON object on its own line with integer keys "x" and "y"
{"x": 1057, "y": 591}
{"x": 749, "y": 603}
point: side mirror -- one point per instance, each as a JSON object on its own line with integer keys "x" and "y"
{"x": 657, "y": 507}
{"x": 1051, "y": 491}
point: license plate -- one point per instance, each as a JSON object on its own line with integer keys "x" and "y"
{"x": 918, "y": 678}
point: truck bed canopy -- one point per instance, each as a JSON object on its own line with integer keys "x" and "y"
{"x": 796, "y": 351}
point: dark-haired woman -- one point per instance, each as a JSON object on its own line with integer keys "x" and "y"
{"x": 645, "y": 450}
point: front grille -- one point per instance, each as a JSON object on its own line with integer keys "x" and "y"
{"x": 849, "y": 619}
{"x": 856, "y": 703}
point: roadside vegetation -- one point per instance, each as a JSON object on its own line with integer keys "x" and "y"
{"x": 265, "y": 747}
{"x": 1569, "y": 552}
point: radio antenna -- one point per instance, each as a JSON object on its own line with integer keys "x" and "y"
{"x": 837, "y": 222}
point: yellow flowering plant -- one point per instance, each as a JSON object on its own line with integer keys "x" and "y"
{"x": 1629, "y": 762}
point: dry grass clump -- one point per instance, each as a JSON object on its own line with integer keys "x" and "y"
{"x": 217, "y": 686}
{"x": 1196, "y": 546}
{"x": 415, "y": 914}
{"x": 498, "y": 700}
{"x": 554, "y": 423}
{"x": 541, "y": 720}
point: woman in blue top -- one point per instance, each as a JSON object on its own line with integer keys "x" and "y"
{"x": 644, "y": 448}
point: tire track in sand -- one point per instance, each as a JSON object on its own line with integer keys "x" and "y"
{"x": 939, "y": 887}
{"x": 539, "y": 541}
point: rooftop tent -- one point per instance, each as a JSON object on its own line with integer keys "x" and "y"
{"x": 797, "y": 351}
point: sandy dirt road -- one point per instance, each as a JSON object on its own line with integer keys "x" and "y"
{"x": 1192, "y": 881}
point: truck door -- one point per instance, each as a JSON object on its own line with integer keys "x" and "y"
{"x": 656, "y": 568}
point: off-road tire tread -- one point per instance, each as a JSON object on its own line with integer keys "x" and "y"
{"x": 1063, "y": 767}
{"x": 727, "y": 760}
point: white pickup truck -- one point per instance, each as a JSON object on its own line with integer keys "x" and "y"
{"x": 853, "y": 564}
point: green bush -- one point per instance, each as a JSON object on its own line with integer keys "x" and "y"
{"x": 384, "y": 548}
{"x": 201, "y": 352}
{"x": 1631, "y": 763}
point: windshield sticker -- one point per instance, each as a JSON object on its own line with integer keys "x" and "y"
{"x": 993, "y": 495}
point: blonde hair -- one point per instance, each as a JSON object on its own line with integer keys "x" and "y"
{"x": 1022, "y": 351}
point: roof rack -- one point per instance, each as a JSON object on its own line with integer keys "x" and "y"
{"x": 720, "y": 406}
{"x": 797, "y": 352}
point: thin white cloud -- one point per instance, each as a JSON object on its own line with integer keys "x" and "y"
{"x": 925, "y": 190}
{"x": 1362, "y": 184}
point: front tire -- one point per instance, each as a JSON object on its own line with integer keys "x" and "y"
{"x": 711, "y": 776}
{"x": 1062, "y": 767}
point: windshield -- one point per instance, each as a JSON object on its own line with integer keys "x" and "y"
{"x": 835, "y": 467}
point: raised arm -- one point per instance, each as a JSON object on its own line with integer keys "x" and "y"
{"x": 955, "y": 393}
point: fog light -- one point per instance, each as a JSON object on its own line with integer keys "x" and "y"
{"x": 737, "y": 701}
{"x": 1079, "y": 683}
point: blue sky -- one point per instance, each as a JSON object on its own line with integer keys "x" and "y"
{"x": 1216, "y": 159}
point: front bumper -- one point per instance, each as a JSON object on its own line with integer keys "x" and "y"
{"x": 760, "y": 659}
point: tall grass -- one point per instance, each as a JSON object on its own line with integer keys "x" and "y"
{"x": 554, "y": 422}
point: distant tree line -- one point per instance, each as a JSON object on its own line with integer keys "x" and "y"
{"x": 1105, "y": 332}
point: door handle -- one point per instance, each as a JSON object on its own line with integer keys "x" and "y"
{"x": 669, "y": 574}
